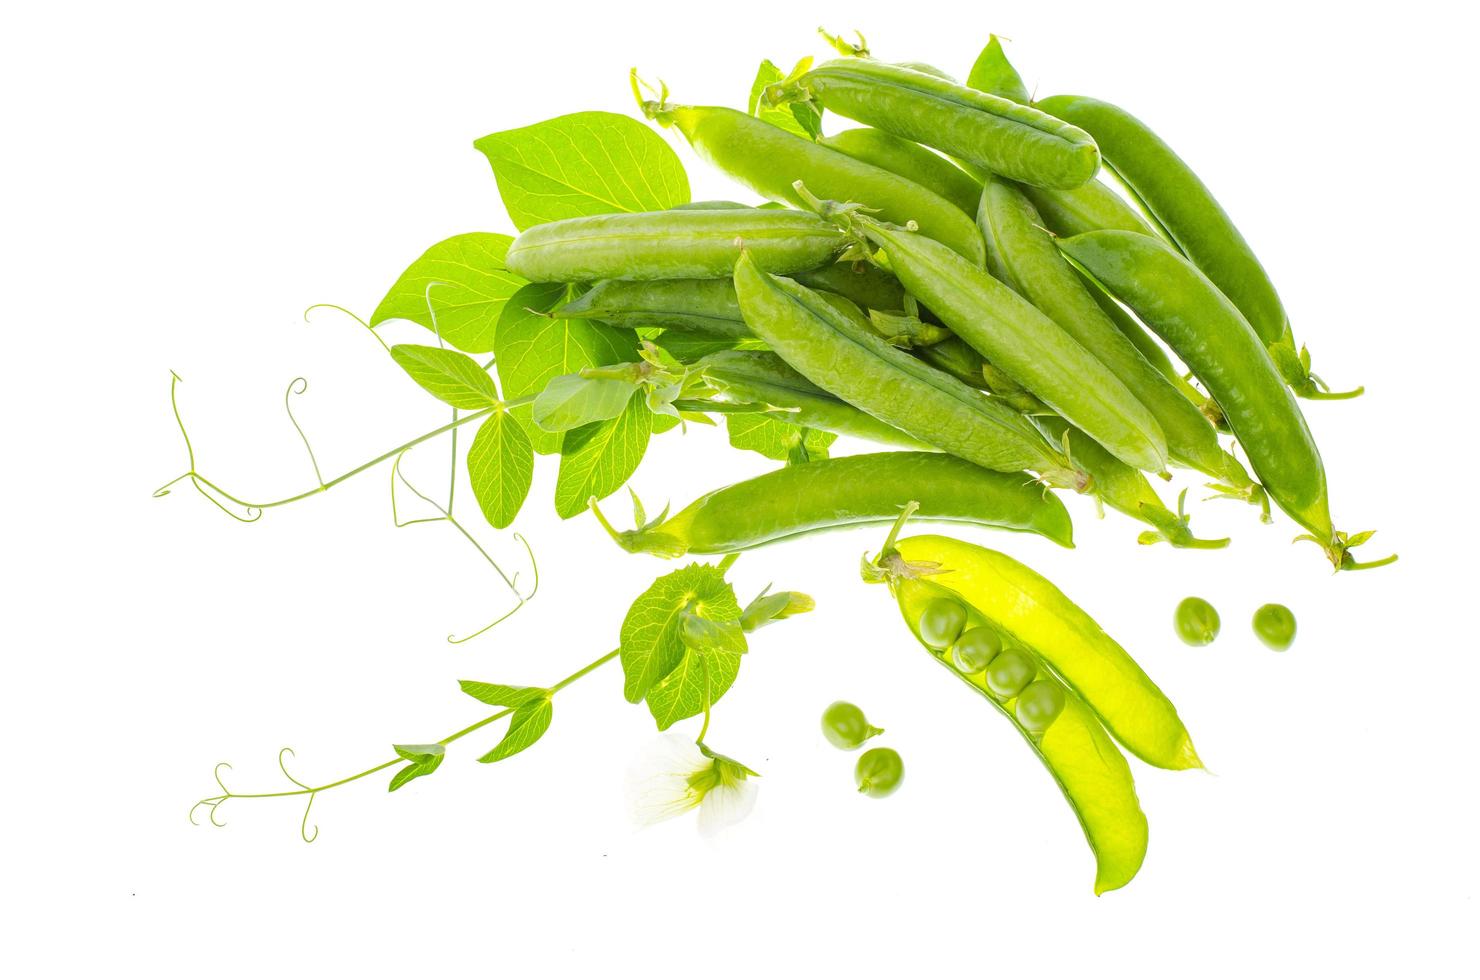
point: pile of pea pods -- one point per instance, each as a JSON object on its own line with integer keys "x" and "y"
{"x": 1011, "y": 297}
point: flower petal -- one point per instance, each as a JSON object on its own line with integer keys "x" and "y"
{"x": 726, "y": 804}
{"x": 659, "y": 784}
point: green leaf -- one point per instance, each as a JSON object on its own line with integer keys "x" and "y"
{"x": 500, "y": 468}
{"x": 778, "y": 440}
{"x": 531, "y": 349}
{"x": 501, "y": 695}
{"x": 582, "y": 164}
{"x": 703, "y": 633}
{"x": 473, "y": 288}
{"x": 681, "y": 693}
{"x": 528, "y": 723}
{"x": 571, "y": 401}
{"x": 455, "y": 378}
{"x": 652, "y": 643}
{"x": 597, "y": 459}
{"x": 799, "y": 118}
{"x": 424, "y": 761}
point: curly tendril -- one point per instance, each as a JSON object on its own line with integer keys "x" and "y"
{"x": 353, "y": 316}
{"x": 298, "y": 386}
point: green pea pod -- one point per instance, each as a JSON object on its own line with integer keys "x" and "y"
{"x": 1126, "y": 488}
{"x": 994, "y": 74}
{"x": 1016, "y": 141}
{"x": 911, "y": 161}
{"x": 769, "y": 160}
{"x": 1088, "y": 767}
{"x": 1210, "y": 335}
{"x": 863, "y": 282}
{"x": 1024, "y": 343}
{"x": 672, "y": 245}
{"x": 860, "y": 368}
{"x": 1193, "y": 219}
{"x": 704, "y": 306}
{"x": 958, "y": 359}
{"x": 851, "y": 491}
{"x": 761, "y": 378}
{"x": 1022, "y": 255}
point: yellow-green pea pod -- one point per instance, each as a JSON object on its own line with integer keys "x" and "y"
{"x": 1181, "y": 204}
{"x": 1022, "y": 342}
{"x": 705, "y": 306}
{"x": 761, "y": 378}
{"x": 1014, "y": 140}
{"x": 769, "y": 160}
{"x": 850, "y": 491}
{"x": 1075, "y": 749}
{"x": 958, "y": 359}
{"x": 1175, "y": 299}
{"x": 690, "y": 244}
{"x": 852, "y": 362}
{"x": 911, "y": 161}
{"x": 1031, "y": 609}
{"x": 1022, "y": 255}
{"x": 863, "y": 282}
{"x": 1126, "y": 489}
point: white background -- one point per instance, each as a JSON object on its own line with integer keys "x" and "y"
{"x": 179, "y": 182}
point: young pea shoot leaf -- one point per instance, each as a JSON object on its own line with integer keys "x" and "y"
{"x": 531, "y": 349}
{"x": 770, "y": 607}
{"x": 500, "y": 468}
{"x": 596, "y": 459}
{"x": 583, "y": 164}
{"x": 777, "y": 440}
{"x": 501, "y": 695}
{"x": 529, "y": 721}
{"x": 699, "y": 674}
{"x": 423, "y": 759}
{"x": 464, "y": 280}
{"x": 571, "y": 401}
{"x": 799, "y": 118}
{"x": 652, "y": 638}
{"x": 454, "y": 377}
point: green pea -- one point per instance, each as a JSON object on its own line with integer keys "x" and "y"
{"x": 1010, "y": 672}
{"x": 941, "y": 622}
{"x": 1197, "y": 621}
{"x": 975, "y": 649}
{"x": 846, "y": 727}
{"x": 1040, "y": 705}
{"x": 1274, "y": 624}
{"x": 879, "y": 772}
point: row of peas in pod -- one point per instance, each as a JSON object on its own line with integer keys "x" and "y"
{"x": 1041, "y": 288}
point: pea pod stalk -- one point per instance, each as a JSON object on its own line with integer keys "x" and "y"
{"x": 849, "y": 491}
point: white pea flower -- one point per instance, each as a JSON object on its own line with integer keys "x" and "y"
{"x": 675, "y": 775}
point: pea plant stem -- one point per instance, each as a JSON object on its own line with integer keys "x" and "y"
{"x": 305, "y": 790}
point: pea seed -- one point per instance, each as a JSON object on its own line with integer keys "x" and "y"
{"x": 845, "y": 726}
{"x": 1196, "y": 621}
{"x": 879, "y": 772}
{"x": 941, "y": 622}
{"x": 1010, "y": 672}
{"x": 1274, "y": 624}
{"x": 1040, "y": 705}
{"x": 975, "y": 649}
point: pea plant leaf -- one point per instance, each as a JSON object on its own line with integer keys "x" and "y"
{"x": 500, "y": 468}
{"x": 452, "y": 376}
{"x": 423, "y": 759}
{"x": 652, "y": 637}
{"x": 529, "y": 721}
{"x": 571, "y": 401}
{"x": 596, "y": 459}
{"x": 699, "y": 674}
{"x": 702, "y": 633}
{"x": 464, "y": 282}
{"x": 770, "y": 607}
{"x": 501, "y": 695}
{"x": 799, "y": 118}
{"x": 777, "y": 440}
{"x": 531, "y": 349}
{"x": 582, "y": 164}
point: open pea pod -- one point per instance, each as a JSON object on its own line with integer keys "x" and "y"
{"x": 1024, "y": 604}
{"x": 1092, "y": 773}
